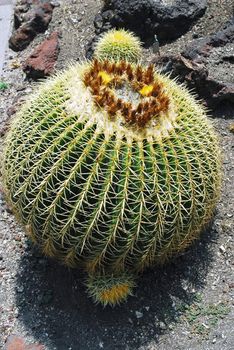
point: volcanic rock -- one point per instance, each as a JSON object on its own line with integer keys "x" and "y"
{"x": 15, "y": 342}
{"x": 30, "y": 18}
{"x": 206, "y": 66}
{"x": 42, "y": 60}
{"x": 167, "y": 19}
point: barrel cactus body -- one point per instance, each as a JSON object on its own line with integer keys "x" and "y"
{"x": 112, "y": 167}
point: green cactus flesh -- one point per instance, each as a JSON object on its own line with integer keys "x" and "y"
{"x": 102, "y": 183}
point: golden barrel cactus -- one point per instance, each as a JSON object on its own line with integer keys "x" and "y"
{"x": 112, "y": 167}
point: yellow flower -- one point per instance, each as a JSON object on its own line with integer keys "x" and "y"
{"x": 146, "y": 90}
{"x": 106, "y": 78}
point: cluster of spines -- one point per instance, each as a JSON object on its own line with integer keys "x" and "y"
{"x": 141, "y": 80}
{"x": 118, "y": 45}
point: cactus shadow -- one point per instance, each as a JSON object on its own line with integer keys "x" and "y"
{"x": 54, "y": 307}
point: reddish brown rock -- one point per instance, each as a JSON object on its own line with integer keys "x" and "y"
{"x": 30, "y": 18}
{"x": 42, "y": 60}
{"x": 14, "y": 342}
{"x": 22, "y": 37}
{"x": 18, "y": 343}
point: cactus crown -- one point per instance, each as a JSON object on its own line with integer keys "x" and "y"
{"x": 113, "y": 167}
{"x": 130, "y": 91}
{"x": 129, "y": 100}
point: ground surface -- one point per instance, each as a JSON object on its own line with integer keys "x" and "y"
{"x": 185, "y": 305}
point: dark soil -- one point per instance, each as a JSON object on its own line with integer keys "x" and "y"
{"x": 187, "y": 304}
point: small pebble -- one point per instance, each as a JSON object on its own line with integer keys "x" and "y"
{"x": 20, "y": 289}
{"x": 162, "y": 325}
{"x": 139, "y": 314}
{"x": 222, "y": 249}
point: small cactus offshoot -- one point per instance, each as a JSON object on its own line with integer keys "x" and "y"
{"x": 110, "y": 289}
{"x": 112, "y": 167}
{"x": 118, "y": 45}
